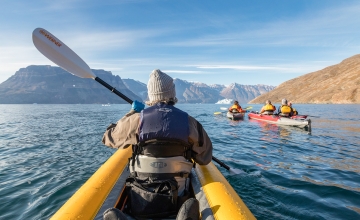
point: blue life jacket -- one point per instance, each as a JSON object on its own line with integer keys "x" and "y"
{"x": 163, "y": 143}
{"x": 164, "y": 122}
{"x": 163, "y": 151}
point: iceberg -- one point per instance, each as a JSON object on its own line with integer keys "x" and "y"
{"x": 225, "y": 101}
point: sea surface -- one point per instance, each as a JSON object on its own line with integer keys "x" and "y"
{"x": 48, "y": 151}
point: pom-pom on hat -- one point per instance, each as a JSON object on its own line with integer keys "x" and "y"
{"x": 161, "y": 87}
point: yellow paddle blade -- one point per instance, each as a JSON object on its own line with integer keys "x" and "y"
{"x": 247, "y": 108}
{"x": 217, "y": 113}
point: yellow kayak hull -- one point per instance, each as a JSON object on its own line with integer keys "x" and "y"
{"x": 91, "y": 199}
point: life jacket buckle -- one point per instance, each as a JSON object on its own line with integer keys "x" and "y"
{"x": 187, "y": 153}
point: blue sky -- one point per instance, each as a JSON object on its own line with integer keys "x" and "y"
{"x": 214, "y": 42}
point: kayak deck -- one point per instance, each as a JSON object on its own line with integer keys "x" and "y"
{"x": 104, "y": 189}
{"x": 300, "y": 122}
{"x": 235, "y": 116}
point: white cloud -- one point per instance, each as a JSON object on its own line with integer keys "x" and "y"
{"x": 328, "y": 28}
{"x": 239, "y": 67}
{"x": 152, "y": 45}
{"x": 184, "y": 71}
{"x": 89, "y": 41}
{"x": 12, "y": 58}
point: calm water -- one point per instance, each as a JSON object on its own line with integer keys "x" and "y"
{"x": 48, "y": 151}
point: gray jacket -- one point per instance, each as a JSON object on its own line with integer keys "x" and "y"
{"x": 123, "y": 134}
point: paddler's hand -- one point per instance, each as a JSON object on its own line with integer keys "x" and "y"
{"x": 137, "y": 106}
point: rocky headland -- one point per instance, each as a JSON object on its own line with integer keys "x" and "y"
{"x": 337, "y": 84}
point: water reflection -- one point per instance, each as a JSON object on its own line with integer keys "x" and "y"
{"x": 329, "y": 183}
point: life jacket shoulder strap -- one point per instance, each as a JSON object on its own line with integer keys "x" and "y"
{"x": 200, "y": 133}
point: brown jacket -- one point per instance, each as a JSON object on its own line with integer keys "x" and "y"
{"x": 124, "y": 133}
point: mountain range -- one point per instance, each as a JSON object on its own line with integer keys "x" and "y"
{"x": 53, "y": 85}
{"x": 46, "y": 84}
{"x": 195, "y": 92}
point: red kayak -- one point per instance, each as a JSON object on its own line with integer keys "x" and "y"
{"x": 297, "y": 120}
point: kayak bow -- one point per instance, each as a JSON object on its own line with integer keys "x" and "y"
{"x": 103, "y": 190}
{"x": 235, "y": 116}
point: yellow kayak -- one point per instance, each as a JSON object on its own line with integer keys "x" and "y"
{"x": 105, "y": 189}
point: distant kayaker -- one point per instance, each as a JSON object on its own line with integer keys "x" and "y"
{"x": 285, "y": 110}
{"x": 294, "y": 112}
{"x": 268, "y": 108}
{"x": 236, "y": 108}
{"x": 164, "y": 140}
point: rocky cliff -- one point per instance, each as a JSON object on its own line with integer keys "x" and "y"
{"x": 53, "y": 85}
{"x": 137, "y": 87}
{"x": 190, "y": 92}
{"x": 244, "y": 93}
{"x": 337, "y": 84}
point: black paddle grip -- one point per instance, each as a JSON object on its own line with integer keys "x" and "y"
{"x": 221, "y": 163}
{"x": 112, "y": 89}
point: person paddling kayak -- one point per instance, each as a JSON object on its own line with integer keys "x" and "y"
{"x": 164, "y": 140}
{"x": 268, "y": 108}
{"x": 294, "y": 112}
{"x": 236, "y": 108}
{"x": 285, "y": 110}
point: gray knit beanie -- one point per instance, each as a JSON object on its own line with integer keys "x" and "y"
{"x": 284, "y": 102}
{"x": 160, "y": 88}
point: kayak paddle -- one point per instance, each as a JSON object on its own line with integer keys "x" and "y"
{"x": 247, "y": 108}
{"x": 56, "y": 51}
{"x": 233, "y": 171}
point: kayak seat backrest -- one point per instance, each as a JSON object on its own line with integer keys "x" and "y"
{"x": 168, "y": 165}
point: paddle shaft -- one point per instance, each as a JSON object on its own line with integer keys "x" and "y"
{"x": 112, "y": 89}
{"x": 220, "y": 163}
